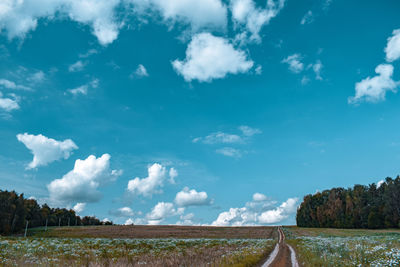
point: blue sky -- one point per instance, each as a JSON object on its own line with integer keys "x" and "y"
{"x": 196, "y": 112}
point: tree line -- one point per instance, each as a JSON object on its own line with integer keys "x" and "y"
{"x": 358, "y": 207}
{"x": 16, "y": 211}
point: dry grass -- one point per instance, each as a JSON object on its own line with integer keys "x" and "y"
{"x": 301, "y": 231}
{"x": 139, "y": 245}
{"x": 160, "y": 231}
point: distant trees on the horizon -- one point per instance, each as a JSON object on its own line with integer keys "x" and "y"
{"x": 358, "y": 207}
{"x": 15, "y": 211}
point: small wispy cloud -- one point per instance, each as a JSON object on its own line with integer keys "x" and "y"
{"x": 140, "y": 72}
{"x": 294, "y": 62}
{"x": 248, "y": 131}
{"x": 229, "y": 152}
{"x": 77, "y": 66}
{"x": 219, "y": 137}
{"x": 317, "y": 67}
{"x": 12, "y": 85}
{"x": 37, "y": 77}
{"x": 88, "y": 53}
{"x": 307, "y": 18}
{"x": 83, "y": 89}
{"x": 8, "y": 104}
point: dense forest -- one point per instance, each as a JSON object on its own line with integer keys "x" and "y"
{"x": 358, "y": 207}
{"x": 16, "y": 211}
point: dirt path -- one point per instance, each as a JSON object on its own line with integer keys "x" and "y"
{"x": 283, "y": 255}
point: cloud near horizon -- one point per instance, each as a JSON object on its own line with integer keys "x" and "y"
{"x": 258, "y": 212}
{"x": 81, "y": 184}
{"x": 122, "y": 212}
{"x": 190, "y": 197}
{"x": 161, "y": 211}
{"x": 153, "y": 183}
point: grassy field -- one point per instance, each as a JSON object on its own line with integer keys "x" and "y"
{"x": 141, "y": 246}
{"x": 196, "y": 246}
{"x": 157, "y": 231}
{"x": 345, "y": 247}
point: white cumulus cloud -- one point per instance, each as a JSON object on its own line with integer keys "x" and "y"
{"x": 79, "y": 207}
{"x": 161, "y": 211}
{"x": 46, "y": 150}
{"x": 129, "y": 222}
{"x": 252, "y": 18}
{"x": 122, "y": 212}
{"x": 373, "y": 89}
{"x": 81, "y": 184}
{"x": 259, "y": 197}
{"x": 209, "y": 57}
{"x": 152, "y": 184}
{"x": 235, "y": 217}
{"x": 17, "y": 18}
{"x": 205, "y": 14}
{"x": 280, "y": 213}
{"x": 392, "y": 48}
{"x": 186, "y": 219}
{"x": 190, "y": 197}
{"x": 260, "y": 211}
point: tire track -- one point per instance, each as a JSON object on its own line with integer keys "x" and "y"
{"x": 282, "y": 255}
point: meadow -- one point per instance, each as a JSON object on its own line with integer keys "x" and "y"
{"x": 196, "y": 246}
{"x": 345, "y": 247}
{"x": 40, "y": 249}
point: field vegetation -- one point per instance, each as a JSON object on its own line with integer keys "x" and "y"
{"x": 139, "y": 246}
{"x": 345, "y": 247}
{"x": 39, "y": 251}
{"x": 157, "y": 231}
